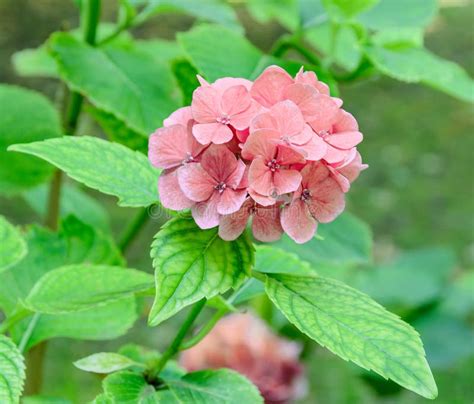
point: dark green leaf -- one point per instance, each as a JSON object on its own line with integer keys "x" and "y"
{"x": 220, "y": 62}
{"x": 108, "y": 167}
{"x": 26, "y": 116}
{"x": 353, "y": 326}
{"x": 191, "y": 263}
{"x": 185, "y": 74}
{"x": 126, "y": 83}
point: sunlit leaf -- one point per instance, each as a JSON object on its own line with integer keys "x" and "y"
{"x": 12, "y": 371}
{"x": 105, "y": 362}
{"x": 12, "y": 245}
{"x": 274, "y": 260}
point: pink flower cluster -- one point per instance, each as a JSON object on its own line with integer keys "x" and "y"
{"x": 279, "y": 150}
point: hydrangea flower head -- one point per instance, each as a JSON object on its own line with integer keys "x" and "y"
{"x": 279, "y": 152}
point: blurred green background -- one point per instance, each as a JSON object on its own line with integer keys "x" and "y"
{"x": 418, "y": 192}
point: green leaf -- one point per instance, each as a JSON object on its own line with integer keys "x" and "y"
{"x": 185, "y": 74}
{"x": 57, "y": 291}
{"x": 160, "y": 50}
{"x": 252, "y": 288}
{"x": 117, "y": 131}
{"x": 128, "y": 388}
{"x": 12, "y": 245}
{"x": 345, "y": 241}
{"x": 398, "y": 14}
{"x": 105, "y": 362}
{"x": 312, "y": 13}
{"x": 398, "y": 37}
{"x": 459, "y": 296}
{"x": 12, "y": 371}
{"x": 120, "y": 81}
{"x": 341, "y": 9}
{"x": 214, "y": 387}
{"x": 26, "y": 116}
{"x": 108, "y": 167}
{"x": 34, "y": 63}
{"x": 191, "y": 263}
{"x": 198, "y": 42}
{"x": 415, "y": 278}
{"x": 417, "y": 65}
{"x": 73, "y": 201}
{"x": 283, "y": 11}
{"x": 353, "y": 326}
{"x": 100, "y": 323}
{"x": 274, "y": 260}
{"x": 75, "y": 243}
{"x": 210, "y": 10}
{"x": 346, "y": 53}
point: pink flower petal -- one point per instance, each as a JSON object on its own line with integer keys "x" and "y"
{"x": 344, "y": 140}
{"x": 261, "y": 178}
{"x": 266, "y": 225}
{"x": 231, "y": 201}
{"x": 269, "y": 86}
{"x": 352, "y": 170}
{"x": 315, "y": 149}
{"x": 334, "y": 155}
{"x": 298, "y": 222}
{"x": 205, "y": 213}
{"x": 234, "y": 100}
{"x": 243, "y": 119}
{"x": 285, "y": 181}
{"x": 261, "y": 143}
{"x": 227, "y": 82}
{"x": 345, "y": 122}
{"x": 181, "y": 116}
{"x": 168, "y": 146}
{"x": 202, "y": 80}
{"x": 288, "y": 117}
{"x": 195, "y": 182}
{"x": 217, "y": 133}
{"x": 327, "y": 201}
{"x": 261, "y": 199}
{"x": 236, "y": 178}
{"x": 311, "y": 79}
{"x": 303, "y": 137}
{"x": 287, "y": 155}
{"x": 205, "y": 105}
{"x": 171, "y": 196}
{"x": 232, "y": 226}
{"x": 220, "y": 163}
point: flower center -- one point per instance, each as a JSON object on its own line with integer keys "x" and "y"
{"x": 188, "y": 159}
{"x": 305, "y": 195}
{"x": 273, "y": 165}
{"x": 224, "y": 120}
{"x": 220, "y": 187}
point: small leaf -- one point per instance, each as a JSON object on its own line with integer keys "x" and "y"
{"x": 398, "y": 14}
{"x": 81, "y": 287}
{"x": 108, "y": 167}
{"x": 214, "y": 387}
{"x": 26, "y": 116}
{"x": 241, "y": 62}
{"x": 105, "y": 362}
{"x": 128, "y": 388}
{"x": 191, "y": 263}
{"x": 34, "y": 63}
{"x": 12, "y": 371}
{"x": 341, "y": 9}
{"x": 12, "y": 245}
{"x": 273, "y": 260}
{"x": 417, "y": 65}
{"x": 345, "y": 241}
{"x": 353, "y": 326}
{"x": 120, "y": 81}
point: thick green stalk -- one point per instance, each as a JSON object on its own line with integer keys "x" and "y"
{"x": 175, "y": 346}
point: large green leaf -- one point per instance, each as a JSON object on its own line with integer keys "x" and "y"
{"x": 12, "y": 371}
{"x": 80, "y": 287}
{"x": 12, "y": 245}
{"x": 273, "y": 260}
{"x": 191, "y": 263}
{"x": 208, "y": 48}
{"x": 213, "y": 387}
{"x": 417, "y": 65}
{"x": 399, "y": 14}
{"x": 353, "y": 326}
{"x": 127, "y": 83}
{"x": 161, "y": 50}
{"x": 105, "y": 362}
{"x": 108, "y": 167}
{"x": 75, "y": 243}
{"x": 127, "y": 387}
{"x": 73, "y": 201}
{"x": 283, "y": 11}
{"x": 346, "y": 241}
{"x": 26, "y": 116}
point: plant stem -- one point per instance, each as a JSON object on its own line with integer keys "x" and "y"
{"x": 89, "y": 22}
{"x": 133, "y": 229}
{"x": 206, "y": 328}
{"x": 178, "y": 339}
{"x": 13, "y": 319}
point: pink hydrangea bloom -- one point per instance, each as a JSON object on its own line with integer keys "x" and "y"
{"x": 244, "y": 343}
{"x": 279, "y": 152}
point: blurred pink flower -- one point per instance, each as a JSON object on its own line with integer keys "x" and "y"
{"x": 244, "y": 343}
